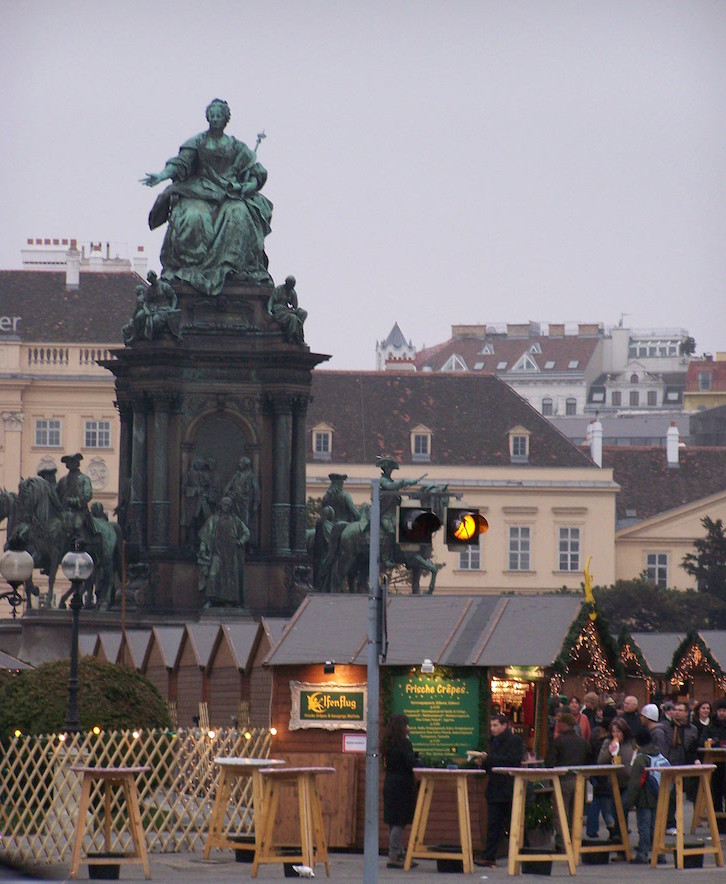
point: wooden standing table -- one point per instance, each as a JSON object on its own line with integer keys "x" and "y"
{"x": 313, "y": 847}
{"x": 429, "y": 776}
{"x": 110, "y": 776}
{"x": 712, "y": 755}
{"x": 523, "y": 775}
{"x": 582, "y": 774}
{"x": 231, "y": 769}
{"x": 674, "y": 775}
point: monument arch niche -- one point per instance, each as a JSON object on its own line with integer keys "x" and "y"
{"x": 212, "y": 388}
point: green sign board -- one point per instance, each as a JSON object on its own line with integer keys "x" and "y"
{"x": 443, "y": 713}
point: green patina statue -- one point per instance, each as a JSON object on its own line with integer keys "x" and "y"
{"x": 282, "y": 305}
{"x": 217, "y": 217}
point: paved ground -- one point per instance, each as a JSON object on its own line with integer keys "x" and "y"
{"x": 347, "y": 868}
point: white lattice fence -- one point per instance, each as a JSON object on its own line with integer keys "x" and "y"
{"x": 39, "y": 792}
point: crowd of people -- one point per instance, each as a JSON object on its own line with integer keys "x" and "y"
{"x": 597, "y": 730}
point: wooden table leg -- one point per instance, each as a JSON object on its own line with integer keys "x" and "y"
{"x": 306, "y": 823}
{"x": 420, "y": 818}
{"x": 661, "y": 816}
{"x": 564, "y": 825}
{"x": 516, "y": 827}
{"x": 80, "y": 826}
{"x": 577, "y": 814}
{"x": 264, "y": 848}
{"x": 710, "y": 814}
{"x": 620, "y": 816}
{"x": 698, "y": 806}
{"x": 218, "y": 812}
{"x": 679, "y": 820}
{"x": 321, "y": 843}
{"x": 136, "y": 824}
{"x": 462, "y": 805}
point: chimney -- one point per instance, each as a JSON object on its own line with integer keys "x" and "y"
{"x": 141, "y": 262}
{"x": 672, "y": 442}
{"x": 594, "y": 432}
{"x": 73, "y": 268}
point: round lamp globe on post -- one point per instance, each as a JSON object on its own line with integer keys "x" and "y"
{"x": 78, "y": 567}
{"x": 16, "y": 566}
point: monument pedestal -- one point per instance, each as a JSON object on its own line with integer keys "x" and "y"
{"x": 230, "y": 387}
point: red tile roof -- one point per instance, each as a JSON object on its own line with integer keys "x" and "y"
{"x": 469, "y": 415}
{"x": 559, "y": 350}
{"x": 649, "y": 486}
{"x": 49, "y": 313}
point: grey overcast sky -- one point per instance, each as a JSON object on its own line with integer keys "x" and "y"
{"x": 431, "y": 163}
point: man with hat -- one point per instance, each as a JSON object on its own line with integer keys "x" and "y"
{"x": 344, "y": 510}
{"x": 75, "y": 492}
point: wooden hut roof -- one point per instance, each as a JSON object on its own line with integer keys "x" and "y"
{"x": 242, "y": 639}
{"x": 168, "y": 639}
{"x": 450, "y": 630}
{"x": 201, "y": 638}
{"x": 110, "y": 644}
{"x": 715, "y": 640}
{"x": 658, "y": 648}
{"x": 11, "y": 664}
{"x": 137, "y": 642}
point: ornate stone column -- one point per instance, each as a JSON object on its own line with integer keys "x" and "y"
{"x": 297, "y": 484}
{"x": 137, "y": 509}
{"x": 126, "y": 416}
{"x": 160, "y": 504}
{"x": 282, "y": 418}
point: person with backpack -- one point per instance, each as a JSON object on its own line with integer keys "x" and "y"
{"x": 642, "y": 793}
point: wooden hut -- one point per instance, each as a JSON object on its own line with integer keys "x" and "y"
{"x": 227, "y": 673}
{"x": 161, "y": 655}
{"x": 134, "y": 644}
{"x": 190, "y": 667}
{"x": 108, "y": 646}
{"x": 638, "y": 680}
{"x": 470, "y": 640}
{"x": 657, "y": 650}
{"x": 697, "y": 671}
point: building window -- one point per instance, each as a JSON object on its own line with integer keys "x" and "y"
{"x": 633, "y": 378}
{"x": 470, "y": 559}
{"x": 652, "y": 397}
{"x": 454, "y": 363}
{"x": 634, "y": 397}
{"x": 616, "y": 398}
{"x": 571, "y": 406}
{"x": 573, "y": 363}
{"x": 321, "y": 445}
{"x": 421, "y": 446}
{"x": 657, "y": 569}
{"x": 520, "y": 447}
{"x": 569, "y": 549}
{"x": 519, "y": 548}
{"x": 704, "y": 380}
{"x": 48, "y": 433}
{"x": 97, "y": 434}
{"x": 547, "y": 408}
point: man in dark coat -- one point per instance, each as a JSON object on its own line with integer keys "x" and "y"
{"x": 506, "y": 749}
{"x": 716, "y": 732}
{"x": 567, "y": 750}
{"x": 678, "y": 741}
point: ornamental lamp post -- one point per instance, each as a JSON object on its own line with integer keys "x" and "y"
{"x": 16, "y": 566}
{"x": 77, "y": 567}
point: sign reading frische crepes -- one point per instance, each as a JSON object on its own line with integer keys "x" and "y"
{"x": 328, "y": 706}
{"x": 443, "y": 713}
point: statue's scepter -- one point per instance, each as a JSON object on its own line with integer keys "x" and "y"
{"x": 260, "y": 137}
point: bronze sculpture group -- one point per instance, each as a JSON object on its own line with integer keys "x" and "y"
{"x": 339, "y": 545}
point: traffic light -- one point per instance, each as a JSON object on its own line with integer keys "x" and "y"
{"x": 415, "y": 526}
{"x": 463, "y": 526}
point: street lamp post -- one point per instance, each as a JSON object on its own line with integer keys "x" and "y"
{"x": 77, "y": 567}
{"x": 16, "y": 566}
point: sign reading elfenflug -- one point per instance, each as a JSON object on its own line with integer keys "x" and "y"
{"x": 443, "y": 713}
{"x": 328, "y": 706}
